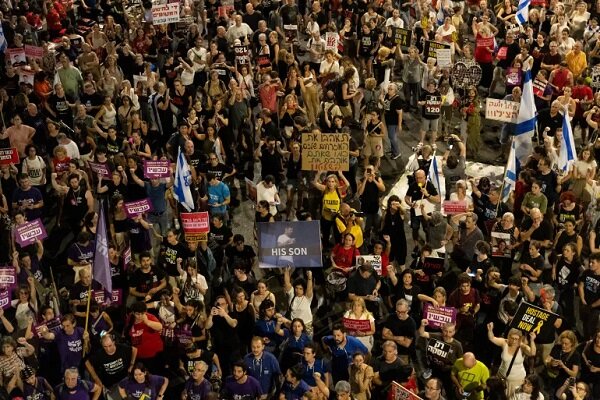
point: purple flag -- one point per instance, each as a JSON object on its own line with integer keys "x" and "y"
{"x": 101, "y": 264}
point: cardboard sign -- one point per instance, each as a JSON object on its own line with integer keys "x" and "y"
{"x": 374, "y": 261}
{"x": 195, "y": 225}
{"x": 513, "y": 76}
{"x": 429, "y": 50}
{"x": 399, "y": 392}
{"x": 595, "y": 77}
{"x": 402, "y": 37}
{"x": 454, "y": 207}
{"x": 165, "y": 13}
{"x": 34, "y": 51}
{"x": 242, "y": 55}
{"x": 438, "y": 316}
{"x": 433, "y": 105}
{"x": 134, "y": 208}
{"x": 433, "y": 265}
{"x": 444, "y": 57}
{"x": 286, "y": 243}
{"x": 539, "y": 87}
{"x": 157, "y": 169}
{"x": 331, "y": 41}
{"x": 100, "y": 169}
{"x": 29, "y": 232}
{"x": 16, "y": 56}
{"x": 500, "y": 241}
{"x": 8, "y": 278}
{"x": 52, "y": 325}
{"x": 9, "y": 156}
{"x": 437, "y": 352}
{"x": 501, "y": 110}
{"x": 325, "y": 151}
{"x": 530, "y": 318}
{"x": 117, "y": 297}
{"x": 291, "y": 32}
{"x": 356, "y": 325}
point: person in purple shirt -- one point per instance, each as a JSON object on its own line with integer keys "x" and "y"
{"x": 294, "y": 387}
{"x": 27, "y": 199}
{"x": 74, "y": 388}
{"x": 70, "y": 341}
{"x": 34, "y": 387}
{"x": 142, "y": 383}
{"x": 26, "y": 264}
{"x": 241, "y": 386}
{"x": 197, "y": 388}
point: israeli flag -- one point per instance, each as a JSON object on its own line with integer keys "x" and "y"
{"x": 183, "y": 180}
{"x": 3, "y": 44}
{"x": 567, "y": 154}
{"x": 523, "y": 11}
{"x": 434, "y": 177}
{"x": 526, "y": 120}
{"x": 510, "y": 176}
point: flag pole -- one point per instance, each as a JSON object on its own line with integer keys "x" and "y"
{"x": 512, "y": 138}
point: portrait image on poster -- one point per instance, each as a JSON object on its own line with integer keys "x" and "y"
{"x": 296, "y": 244}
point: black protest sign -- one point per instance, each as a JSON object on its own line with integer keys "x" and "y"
{"x": 530, "y": 318}
{"x": 433, "y": 265}
{"x": 431, "y": 46}
{"x": 438, "y": 353}
{"x": 402, "y": 36}
{"x": 433, "y": 105}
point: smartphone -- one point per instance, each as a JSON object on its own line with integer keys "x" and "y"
{"x": 471, "y": 274}
{"x": 369, "y": 171}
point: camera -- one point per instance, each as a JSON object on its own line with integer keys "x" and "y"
{"x": 357, "y": 214}
{"x": 369, "y": 171}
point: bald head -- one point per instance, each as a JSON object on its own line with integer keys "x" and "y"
{"x": 469, "y": 360}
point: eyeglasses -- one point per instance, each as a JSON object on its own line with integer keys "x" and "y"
{"x": 431, "y": 388}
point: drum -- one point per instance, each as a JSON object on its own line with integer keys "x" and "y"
{"x": 336, "y": 281}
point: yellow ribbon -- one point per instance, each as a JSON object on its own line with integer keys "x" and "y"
{"x": 538, "y": 328}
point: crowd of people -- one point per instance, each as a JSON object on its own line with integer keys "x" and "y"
{"x": 93, "y": 90}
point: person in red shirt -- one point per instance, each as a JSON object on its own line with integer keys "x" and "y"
{"x": 584, "y": 97}
{"x": 145, "y": 333}
{"x": 343, "y": 256}
{"x": 467, "y": 302}
{"x": 484, "y": 51}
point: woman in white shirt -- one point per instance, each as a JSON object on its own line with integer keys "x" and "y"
{"x": 358, "y": 311}
{"x": 530, "y": 389}
{"x": 267, "y": 190}
{"x": 579, "y": 19}
{"x": 300, "y": 295}
{"x": 461, "y": 194}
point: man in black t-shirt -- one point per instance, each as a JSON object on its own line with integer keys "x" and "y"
{"x": 589, "y": 292}
{"x": 110, "y": 364}
{"x": 551, "y": 119}
{"x": 420, "y": 193}
{"x": 240, "y": 254}
{"x": 147, "y": 281}
{"x": 393, "y": 105}
{"x": 400, "y": 328}
{"x": 91, "y": 99}
{"x": 218, "y": 169}
{"x": 548, "y": 180}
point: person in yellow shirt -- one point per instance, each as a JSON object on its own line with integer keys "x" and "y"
{"x": 349, "y": 220}
{"x": 469, "y": 376}
{"x": 576, "y": 60}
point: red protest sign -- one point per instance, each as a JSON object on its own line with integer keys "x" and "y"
{"x": 399, "y": 392}
{"x": 454, "y": 207}
{"x": 34, "y": 51}
{"x": 356, "y": 325}
{"x": 9, "y": 156}
{"x": 502, "y": 53}
{"x": 485, "y": 42}
{"x": 195, "y": 225}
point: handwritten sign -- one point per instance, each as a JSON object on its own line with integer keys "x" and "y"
{"x": 429, "y": 50}
{"x": 438, "y": 316}
{"x": 373, "y": 260}
{"x": 331, "y": 41}
{"x": 100, "y": 169}
{"x": 52, "y": 325}
{"x": 444, "y": 57}
{"x": 157, "y": 169}
{"x": 9, "y": 156}
{"x": 402, "y": 37}
{"x": 34, "y": 51}
{"x": 29, "y": 232}
{"x": 433, "y": 265}
{"x": 531, "y": 318}
{"x": 195, "y": 225}
{"x": 595, "y": 77}
{"x": 165, "y": 13}
{"x": 134, "y": 208}
{"x": 454, "y": 207}
{"x": 116, "y": 298}
{"x": 16, "y": 56}
{"x": 325, "y": 151}
{"x": 356, "y": 325}
{"x": 501, "y": 110}
{"x": 399, "y": 392}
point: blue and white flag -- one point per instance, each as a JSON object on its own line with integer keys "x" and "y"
{"x": 525, "y": 128}
{"x": 567, "y": 154}
{"x": 510, "y": 176}
{"x": 434, "y": 177}
{"x": 183, "y": 180}
{"x": 101, "y": 270}
{"x": 3, "y": 44}
{"x": 523, "y": 11}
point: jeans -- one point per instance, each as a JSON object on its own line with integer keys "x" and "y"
{"x": 372, "y": 222}
{"x": 161, "y": 220}
{"x": 393, "y": 139}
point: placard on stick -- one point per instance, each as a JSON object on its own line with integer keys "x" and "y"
{"x": 325, "y": 151}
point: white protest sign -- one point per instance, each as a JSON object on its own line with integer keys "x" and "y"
{"x": 444, "y": 57}
{"x": 165, "y": 13}
{"x": 501, "y": 110}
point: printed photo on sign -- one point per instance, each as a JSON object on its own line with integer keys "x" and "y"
{"x": 399, "y": 392}
{"x": 531, "y": 318}
{"x": 296, "y": 244}
{"x": 372, "y": 260}
{"x": 500, "y": 242}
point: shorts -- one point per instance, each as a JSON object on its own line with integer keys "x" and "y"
{"x": 430, "y": 125}
{"x": 373, "y": 146}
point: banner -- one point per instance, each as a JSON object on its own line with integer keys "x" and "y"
{"x": 134, "y": 208}
{"x": 444, "y": 57}
{"x": 34, "y": 51}
{"x": 117, "y": 297}
{"x": 357, "y": 325}
{"x": 285, "y": 243}
{"x": 399, "y": 392}
{"x": 53, "y": 326}
{"x": 433, "y": 105}
{"x": 530, "y": 318}
{"x": 157, "y": 169}
{"x": 433, "y": 265}
{"x": 331, "y": 41}
{"x": 500, "y": 241}
{"x": 402, "y": 37}
{"x": 374, "y": 261}
{"x": 165, "y": 13}
{"x": 325, "y": 151}
{"x": 429, "y": 50}
{"x": 29, "y": 232}
{"x": 501, "y": 110}
{"x": 454, "y": 207}
{"x": 100, "y": 169}
{"x": 9, "y": 156}
{"x": 195, "y": 225}
{"x": 16, "y": 56}
{"x": 438, "y": 316}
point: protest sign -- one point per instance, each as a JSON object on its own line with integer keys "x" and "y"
{"x": 100, "y": 169}
{"x": 595, "y": 77}
{"x": 500, "y": 241}
{"x": 402, "y": 37}
{"x": 501, "y": 110}
{"x": 116, "y": 299}
{"x": 433, "y": 105}
{"x": 452, "y": 207}
{"x": 444, "y": 57}
{"x": 165, "y": 13}
{"x": 513, "y": 76}
{"x": 157, "y": 169}
{"x": 485, "y": 42}
{"x": 8, "y": 278}
{"x": 291, "y": 32}
{"x": 438, "y": 316}
{"x": 399, "y": 392}
{"x": 356, "y": 325}
{"x": 29, "y": 232}
{"x": 126, "y": 257}
{"x": 9, "y": 156}
{"x": 53, "y": 325}
{"x": 223, "y": 11}
{"x": 325, "y": 151}
{"x": 429, "y": 50}
{"x": 139, "y": 78}
{"x": 16, "y": 56}
{"x": 195, "y": 225}
{"x": 502, "y": 51}
{"x": 530, "y": 318}
{"x": 374, "y": 261}
{"x": 539, "y": 87}
{"x": 285, "y": 243}
{"x": 437, "y": 352}
{"x": 4, "y": 298}
{"x": 26, "y": 76}
{"x": 34, "y": 51}
{"x": 331, "y": 41}
{"x": 251, "y": 190}
{"x": 134, "y": 208}
{"x": 433, "y": 265}
{"x": 242, "y": 55}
